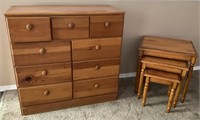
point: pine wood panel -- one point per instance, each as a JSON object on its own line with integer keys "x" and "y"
{"x": 98, "y": 26}
{"x": 40, "y": 29}
{"x": 70, "y": 27}
{"x": 168, "y": 45}
{"x": 43, "y": 74}
{"x": 95, "y": 87}
{"x": 95, "y": 69}
{"x": 60, "y": 10}
{"x": 66, "y": 104}
{"x": 84, "y": 49}
{"x": 165, "y": 62}
{"x": 29, "y": 53}
{"x": 36, "y": 95}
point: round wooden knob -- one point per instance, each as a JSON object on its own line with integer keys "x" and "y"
{"x": 96, "y": 85}
{"x": 97, "y": 67}
{"x": 107, "y": 24}
{"x": 42, "y": 51}
{"x": 46, "y": 92}
{"x": 97, "y": 47}
{"x": 29, "y": 26}
{"x": 44, "y": 72}
{"x": 71, "y": 25}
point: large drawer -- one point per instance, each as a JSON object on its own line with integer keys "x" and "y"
{"x": 94, "y": 87}
{"x": 101, "y": 48}
{"x": 43, "y": 74}
{"x": 95, "y": 69}
{"x": 29, "y": 29}
{"x": 45, "y": 94}
{"x": 41, "y": 53}
{"x": 70, "y": 27}
{"x": 106, "y": 26}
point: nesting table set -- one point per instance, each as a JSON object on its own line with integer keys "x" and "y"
{"x": 165, "y": 61}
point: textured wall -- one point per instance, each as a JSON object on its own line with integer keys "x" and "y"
{"x": 166, "y": 19}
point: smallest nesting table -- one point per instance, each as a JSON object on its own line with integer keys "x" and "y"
{"x": 170, "y": 49}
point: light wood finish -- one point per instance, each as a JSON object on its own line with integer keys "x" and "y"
{"x": 45, "y": 94}
{"x": 57, "y": 62}
{"x": 95, "y": 87}
{"x": 95, "y": 69}
{"x": 62, "y": 10}
{"x": 106, "y": 26}
{"x": 70, "y": 27}
{"x": 89, "y": 49}
{"x": 164, "y": 78}
{"x": 29, "y": 29}
{"x": 41, "y": 53}
{"x": 168, "y": 48}
{"x": 168, "y": 65}
{"x": 66, "y": 104}
{"x": 43, "y": 74}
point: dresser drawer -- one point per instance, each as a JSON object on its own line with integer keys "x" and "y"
{"x": 45, "y": 94}
{"x": 101, "y": 48}
{"x": 29, "y": 29}
{"x": 41, "y": 53}
{"x": 94, "y": 87}
{"x": 95, "y": 69}
{"x": 43, "y": 74}
{"x": 70, "y": 27}
{"x": 106, "y": 26}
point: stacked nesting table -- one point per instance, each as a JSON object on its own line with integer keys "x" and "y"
{"x": 167, "y": 48}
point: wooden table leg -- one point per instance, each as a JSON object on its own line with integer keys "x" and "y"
{"x": 145, "y": 91}
{"x": 138, "y": 71}
{"x": 170, "y": 100}
{"x": 141, "y": 79}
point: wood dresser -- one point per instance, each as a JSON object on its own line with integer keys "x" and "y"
{"x": 65, "y": 56}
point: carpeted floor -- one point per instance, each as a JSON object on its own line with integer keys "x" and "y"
{"x": 127, "y": 107}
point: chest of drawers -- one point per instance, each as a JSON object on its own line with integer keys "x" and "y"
{"x": 65, "y": 56}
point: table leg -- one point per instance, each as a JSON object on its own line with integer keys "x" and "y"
{"x": 138, "y": 71}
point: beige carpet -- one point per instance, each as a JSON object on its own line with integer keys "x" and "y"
{"x": 127, "y": 107}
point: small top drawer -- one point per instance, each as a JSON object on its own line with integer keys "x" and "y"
{"x": 106, "y": 26}
{"x": 41, "y": 53}
{"x": 29, "y": 29}
{"x": 101, "y": 48}
{"x": 70, "y": 27}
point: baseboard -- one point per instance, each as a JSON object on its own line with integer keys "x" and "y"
{"x": 122, "y": 75}
{"x": 8, "y": 87}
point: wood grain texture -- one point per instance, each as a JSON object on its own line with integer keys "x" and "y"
{"x": 167, "y": 76}
{"x": 166, "y": 62}
{"x": 60, "y": 10}
{"x": 36, "y": 95}
{"x": 84, "y": 49}
{"x": 40, "y": 31}
{"x": 95, "y": 69}
{"x": 29, "y": 53}
{"x": 168, "y": 45}
{"x": 62, "y": 30}
{"x": 43, "y": 74}
{"x": 99, "y": 29}
{"x": 94, "y": 87}
{"x": 66, "y": 104}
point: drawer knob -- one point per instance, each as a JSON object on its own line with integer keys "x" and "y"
{"x": 42, "y": 51}
{"x": 71, "y": 25}
{"x": 107, "y": 24}
{"x": 44, "y": 72}
{"x": 29, "y": 26}
{"x": 96, "y": 85}
{"x": 97, "y": 47}
{"x": 46, "y": 92}
{"x": 97, "y": 67}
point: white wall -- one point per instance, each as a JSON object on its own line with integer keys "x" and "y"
{"x": 167, "y": 19}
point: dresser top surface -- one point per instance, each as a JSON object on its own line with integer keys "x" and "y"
{"x": 56, "y": 10}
